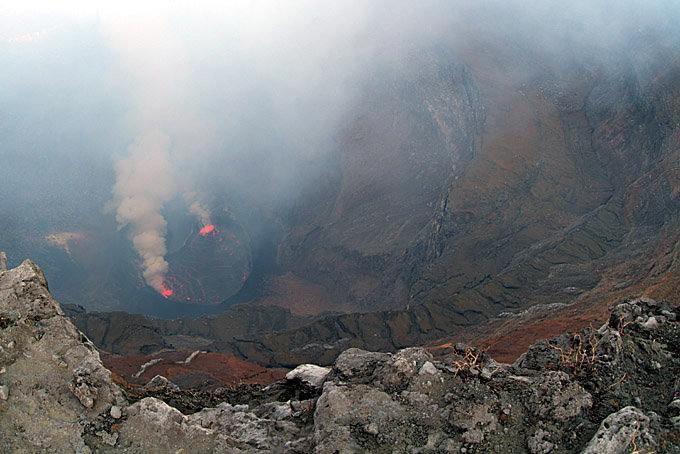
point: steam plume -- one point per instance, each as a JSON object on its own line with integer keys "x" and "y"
{"x": 145, "y": 179}
{"x": 200, "y": 212}
{"x": 145, "y": 182}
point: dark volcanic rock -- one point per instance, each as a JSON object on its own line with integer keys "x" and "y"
{"x": 132, "y": 334}
{"x": 414, "y": 134}
{"x": 549, "y": 202}
{"x": 610, "y": 390}
{"x": 607, "y": 391}
{"x": 211, "y": 266}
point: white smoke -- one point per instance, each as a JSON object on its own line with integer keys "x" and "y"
{"x": 144, "y": 183}
{"x": 200, "y": 212}
{"x": 184, "y": 82}
{"x": 165, "y": 126}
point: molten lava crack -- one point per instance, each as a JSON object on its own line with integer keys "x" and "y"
{"x": 211, "y": 267}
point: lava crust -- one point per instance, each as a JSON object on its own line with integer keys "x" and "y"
{"x": 212, "y": 266}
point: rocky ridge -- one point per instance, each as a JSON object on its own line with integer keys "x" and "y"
{"x": 614, "y": 389}
{"x": 53, "y": 382}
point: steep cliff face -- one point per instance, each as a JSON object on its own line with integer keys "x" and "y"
{"x": 415, "y": 132}
{"x": 495, "y": 179}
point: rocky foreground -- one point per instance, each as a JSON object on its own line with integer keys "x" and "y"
{"x": 615, "y": 389}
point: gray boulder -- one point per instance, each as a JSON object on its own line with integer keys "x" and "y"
{"x": 53, "y": 380}
{"x": 627, "y": 430}
{"x": 310, "y": 374}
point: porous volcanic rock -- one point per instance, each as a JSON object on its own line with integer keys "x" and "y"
{"x": 609, "y": 390}
{"x": 54, "y": 378}
{"x": 57, "y": 397}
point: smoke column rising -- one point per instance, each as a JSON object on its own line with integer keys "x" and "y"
{"x": 165, "y": 126}
{"x": 200, "y": 212}
{"x": 169, "y": 61}
{"x": 144, "y": 184}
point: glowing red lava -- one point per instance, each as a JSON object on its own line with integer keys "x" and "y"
{"x": 208, "y": 229}
{"x": 212, "y": 266}
{"x": 167, "y": 291}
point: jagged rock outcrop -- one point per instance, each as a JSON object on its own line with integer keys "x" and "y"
{"x": 609, "y": 390}
{"x": 53, "y": 379}
{"x": 57, "y": 397}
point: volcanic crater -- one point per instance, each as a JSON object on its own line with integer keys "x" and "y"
{"x": 212, "y": 264}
